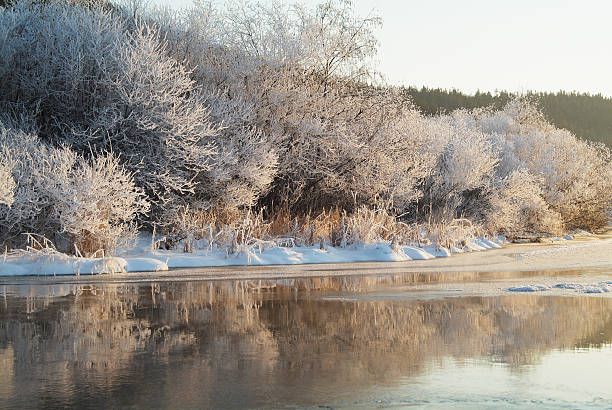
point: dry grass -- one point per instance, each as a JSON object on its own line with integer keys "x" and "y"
{"x": 453, "y": 233}
{"x": 243, "y": 230}
{"x": 228, "y": 228}
{"x": 246, "y": 231}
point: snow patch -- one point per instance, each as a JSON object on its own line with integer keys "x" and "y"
{"x": 144, "y": 265}
{"x": 489, "y": 244}
{"x": 600, "y": 287}
{"x": 60, "y": 264}
{"x": 436, "y": 251}
{"x": 427, "y": 252}
{"x": 529, "y": 288}
{"x": 143, "y": 259}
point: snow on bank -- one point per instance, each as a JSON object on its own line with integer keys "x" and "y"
{"x": 600, "y": 287}
{"x": 58, "y": 264}
{"x": 143, "y": 259}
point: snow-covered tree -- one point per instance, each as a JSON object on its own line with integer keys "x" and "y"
{"x": 300, "y": 70}
{"x": 516, "y": 206}
{"x": 27, "y": 212}
{"x": 95, "y": 202}
{"x": 99, "y": 80}
{"x": 464, "y": 166}
{"x": 575, "y": 176}
{"x": 246, "y": 161}
{"x": 57, "y": 193}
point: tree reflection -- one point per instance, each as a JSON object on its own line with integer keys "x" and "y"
{"x": 202, "y": 343}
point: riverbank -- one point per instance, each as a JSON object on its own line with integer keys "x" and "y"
{"x": 582, "y": 252}
{"x": 145, "y": 256}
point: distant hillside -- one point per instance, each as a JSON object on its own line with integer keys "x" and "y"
{"x": 587, "y": 116}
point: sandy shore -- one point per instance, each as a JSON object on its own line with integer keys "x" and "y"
{"x": 582, "y": 252}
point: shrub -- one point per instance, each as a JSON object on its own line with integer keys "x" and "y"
{"x": 29, "y": 208}
{"x": 88, "y": 203}
{"x": 574, "y": 175}
{"x": 100, "y": 80}
{"x": 246, "y": 161}
{"x": 464, "y": 167}
{"x": 517, "y": 206}
{"x": 96, "y": 203}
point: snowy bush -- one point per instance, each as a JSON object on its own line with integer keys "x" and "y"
{"x": 246, "y": 161}
{"x": 57, "y": 54}
{"x": 517, "y": 206}
{"x": 164, "y": 136}
{"x": 29, "y": 207}
{"x": 574, "y": 175}
{"x": 58, "y": 194}
{"x": 298, "y": 71}
{"x": 95, "y": 202}
{"x": 464, "y": 167}
{"x": 516, "y": 172}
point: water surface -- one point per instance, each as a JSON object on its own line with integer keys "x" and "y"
{"x": 343, "y": 342}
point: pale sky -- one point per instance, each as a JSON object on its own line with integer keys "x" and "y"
{"x": 515, "y": 45}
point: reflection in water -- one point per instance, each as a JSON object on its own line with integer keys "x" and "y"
{"x": 254, "y": 343}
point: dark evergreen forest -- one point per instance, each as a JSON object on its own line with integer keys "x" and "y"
{"x": 588, "y": 116}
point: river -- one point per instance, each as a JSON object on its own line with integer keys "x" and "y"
{"x": 360, "y": 341}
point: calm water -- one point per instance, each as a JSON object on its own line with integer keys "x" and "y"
{"x": 343, "y": 342}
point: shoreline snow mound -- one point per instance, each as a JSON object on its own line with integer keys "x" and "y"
{"x": 145, "y": 265}
{"x": 438, "y": 252}
{"x": 143, "y": 259}
{"x": 60, "y": 264}
{"x": 487, "y": 243}
{"x": 418, "y": 253}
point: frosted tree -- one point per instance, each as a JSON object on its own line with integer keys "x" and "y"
{"x": 516, "y": 206}
{"x": 28, "y": 207}
{"x": 246, "y": 162}
{"x": 163, "y": 135}
{"x": 575, "y": 176}
{"x": 70, "y": 200}
{"x": 299, "y": 70}
{"x": 464, "y": 167}
{"x": 95, "y": 201}
{"x": 57, "y": 53}
{"x": 397, "y": 161}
